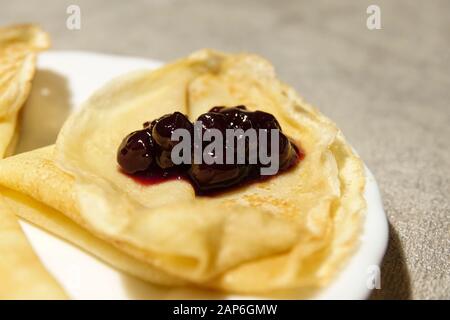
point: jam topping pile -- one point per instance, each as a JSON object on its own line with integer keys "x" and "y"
{"x": 146, "y": 154}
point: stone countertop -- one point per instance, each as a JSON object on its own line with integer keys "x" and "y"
{"x": 388, "y": 90}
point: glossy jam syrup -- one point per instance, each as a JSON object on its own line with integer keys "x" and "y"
{"x": 158, "y": 176}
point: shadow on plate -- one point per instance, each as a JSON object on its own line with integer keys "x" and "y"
{"x": 395, "y": 280}
{"x": 45, "y": 111}
{"x": 141, "y": 290}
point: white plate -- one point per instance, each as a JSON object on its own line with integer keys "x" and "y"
{"x": 63, "y": 80}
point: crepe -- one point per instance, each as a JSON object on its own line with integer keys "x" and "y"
{"x": 8, "y": 135}
{"x": 22, "y": 276}
{"x": 293, "y": 231}
{"x": 19, "y": 46}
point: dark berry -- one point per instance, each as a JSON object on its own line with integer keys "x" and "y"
{"x": 135, "y": 153}
{"x": 216, "y": 109}
{"x": 286, "y": 151}
{"x": 264, "y": 120}
{"x": 213, "y": 120}
{"x": 163, "y": 158}
{"x": 215, "y": 177}
{"x": 162, "y": 130}
{"x": 150, "y": 124}
{"x": 166, "y": 125}
{"x": 210, "y": 121}
{"x": 237, "y": 118}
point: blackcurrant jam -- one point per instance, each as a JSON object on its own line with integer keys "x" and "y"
{"x": 146, "y": 155}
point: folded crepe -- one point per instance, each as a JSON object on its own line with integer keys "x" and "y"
{"x": 289, "y": 232}
{"x": 22, "y": 276}
{"x": 19, "y": 46}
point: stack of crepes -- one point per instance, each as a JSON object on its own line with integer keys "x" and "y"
{"x": 22, "y": 276}
{"x": 293, "y": 231}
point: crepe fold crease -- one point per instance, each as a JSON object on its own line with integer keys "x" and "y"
{"x": 293, "y": 231}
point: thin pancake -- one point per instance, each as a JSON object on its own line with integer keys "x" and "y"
{"x": 292, "y": 231}
{"x": 19, "y": 46}
{"x": 22, "y": 276}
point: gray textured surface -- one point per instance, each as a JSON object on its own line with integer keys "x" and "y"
{"x": 389, "y": 91}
